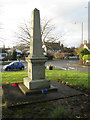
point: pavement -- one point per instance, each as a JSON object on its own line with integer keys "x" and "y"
{"x": 13, "y": 96}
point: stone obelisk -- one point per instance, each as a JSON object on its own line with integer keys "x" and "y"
{"x": 36, "y": 60}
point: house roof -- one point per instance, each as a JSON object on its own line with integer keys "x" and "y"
{"x": 26, "y": 49}
{"x": 52, "y": 46}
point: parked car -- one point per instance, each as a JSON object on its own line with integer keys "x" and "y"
{"x": 14, "y": 66}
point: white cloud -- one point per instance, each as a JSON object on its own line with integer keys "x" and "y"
{"x": 64, "y": 13}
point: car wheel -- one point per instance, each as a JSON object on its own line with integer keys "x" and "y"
{"x": 22, "y": 68}
{"x": 8, "y": 69}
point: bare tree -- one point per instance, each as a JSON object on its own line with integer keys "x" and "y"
{"x": 1, "y": 38}
{"x": 47, "y": 33}
{"x": 23, "y": 34}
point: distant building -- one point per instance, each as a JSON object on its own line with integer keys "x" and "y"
{"x": 3, "y": 53}
{"x": 50, "y": 47}
{"x": 86, "y": 45}
{"x": 10, "y": 51}
{"x": 26, "y": 51}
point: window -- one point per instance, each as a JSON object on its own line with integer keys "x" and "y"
{"x": 19, "y": 63}
{"x": 15, "y": 64}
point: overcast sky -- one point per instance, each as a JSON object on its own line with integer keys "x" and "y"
{"x": 64, "y": 14}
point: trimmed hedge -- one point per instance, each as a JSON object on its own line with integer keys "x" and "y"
{"x": 61, "y": 55}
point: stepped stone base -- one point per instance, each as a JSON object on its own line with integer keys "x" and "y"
{"x": 27, "y": 91}
{"x": 36, "y": 84}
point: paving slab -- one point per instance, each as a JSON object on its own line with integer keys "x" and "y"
{"x": 13, "y": 96}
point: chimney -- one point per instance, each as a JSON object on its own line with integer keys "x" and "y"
{"x": 58, "y": 42}
{"x": 3, "y": 45}
{"x": 85, "y": 42}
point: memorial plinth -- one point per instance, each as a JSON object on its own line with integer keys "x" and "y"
{"x": 36, "y": 74}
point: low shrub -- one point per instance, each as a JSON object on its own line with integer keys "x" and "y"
{"x": 9, "y": 57}
{"x": 86, "y": 57}
{"x": 61, "y": 55}
{"x": 59, "y": 113}
{"x": 5, "y": 63}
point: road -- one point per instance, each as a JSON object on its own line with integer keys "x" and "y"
{"x": 68, "y": 65}
{"x": 63, "y": 64}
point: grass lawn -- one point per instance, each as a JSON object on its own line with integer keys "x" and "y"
{"x": 72, "y": 78}
{"x": 62, "y": 108}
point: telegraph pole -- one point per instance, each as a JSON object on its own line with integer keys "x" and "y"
{"x": 82, "y": 34}
{"x": 88, "y": 21}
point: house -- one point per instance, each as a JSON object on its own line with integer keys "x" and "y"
{"x": 3, "y": 53}
{"x": 26, "y": 51}
{"x": 86, "y": 45}
{"x": 10, "y": 51}
{"x": 50, "y": 47}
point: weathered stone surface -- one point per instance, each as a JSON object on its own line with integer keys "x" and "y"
{"x": 36, "y": 84}
{"x": 36, "y": 69}
{"x": 27, "y": 91}
{"x": 36, "y": 42}
{"x": 36, "y": 60}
